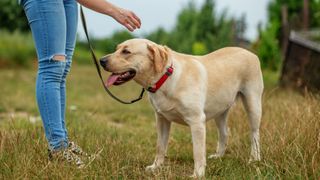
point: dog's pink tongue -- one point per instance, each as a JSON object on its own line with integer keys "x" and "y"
{"x": 112, "y": 79}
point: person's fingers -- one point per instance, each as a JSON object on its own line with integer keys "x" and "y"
{"x": 128, "y": 26}
{"x": 127, "y": 22}
{"x": 131, "y": 22}
{"x": 128, "y": 19}
{"x": 137, "y": 18}
{"x": 134, "y": 21}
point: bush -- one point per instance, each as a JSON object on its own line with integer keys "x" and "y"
{"x": 268, "y": 48}
{"x": 199, "y": 48}
{"x": 16, "y": 49}
{"x": 12, "y": 16}
{"x": 82, "y": 55}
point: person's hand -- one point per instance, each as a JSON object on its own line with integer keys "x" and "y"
{"x": 126, "y": 18}
{"x": 123, "y": 16}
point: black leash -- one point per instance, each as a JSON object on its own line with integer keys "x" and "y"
{"x": 94, "y": 58}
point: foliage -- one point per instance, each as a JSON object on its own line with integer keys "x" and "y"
{"x": 315, "y": 13}
{"x": 109, "y": 44}
{"x": 200, "y": 27}
{"x": 268, "y": 44}
{"x": 16, "y": 49}
{"x": 197, "y": 31}
{"x": 83, "y": 56}
{"x": 12, "y": 16}
{"x": 268, "y": 48}
{"x": 160, "y": 36}
{"x": 199, "y": 48}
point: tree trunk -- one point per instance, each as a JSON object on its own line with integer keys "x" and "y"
{"x": 305, "y": 14}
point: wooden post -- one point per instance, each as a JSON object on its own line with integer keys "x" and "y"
{"x": 285, "y": 30}
{"x": 305, "y": 23}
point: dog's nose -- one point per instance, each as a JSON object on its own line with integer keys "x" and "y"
{"x": 103, "y": 61}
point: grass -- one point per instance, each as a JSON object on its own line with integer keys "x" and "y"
{"x": 13, "y": 42}
{"x": 290, "y": 134}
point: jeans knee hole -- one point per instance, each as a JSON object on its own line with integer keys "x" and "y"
{"x": 59, "y": 58}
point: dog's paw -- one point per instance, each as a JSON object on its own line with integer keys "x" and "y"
{"x": 199, "y": 173}
{"x": 152, "y": 168}
{"x": 215, "y": 156}
{"x": 195, "y": 176}
{"x": 252, "y": 160}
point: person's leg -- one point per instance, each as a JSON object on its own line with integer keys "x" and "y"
{"x": 71, "y": 9}
{"x": 48, "y": 25}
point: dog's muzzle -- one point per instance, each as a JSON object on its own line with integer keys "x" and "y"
{"x": 104, "y": 61}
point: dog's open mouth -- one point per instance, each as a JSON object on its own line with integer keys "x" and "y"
{"x": 120, "y": 78}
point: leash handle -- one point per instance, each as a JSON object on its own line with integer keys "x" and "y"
{"x": 94, "y": 58}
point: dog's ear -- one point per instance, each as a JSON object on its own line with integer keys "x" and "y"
{"x": 159, "y": 55}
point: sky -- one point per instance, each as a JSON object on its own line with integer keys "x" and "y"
{"x": 156, "y": 13}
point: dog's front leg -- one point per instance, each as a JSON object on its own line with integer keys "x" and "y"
{"x": 198, "y": 131}
{"x": 163, "y": 129}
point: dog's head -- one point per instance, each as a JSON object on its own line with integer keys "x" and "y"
{"x": 137, "y": 59}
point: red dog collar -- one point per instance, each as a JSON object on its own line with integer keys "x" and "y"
{"x": 164, "y": 77}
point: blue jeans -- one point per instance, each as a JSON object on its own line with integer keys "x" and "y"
{"x": 54, "y": 25}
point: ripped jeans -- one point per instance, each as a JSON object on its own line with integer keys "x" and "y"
{"x": 54, "y": 25}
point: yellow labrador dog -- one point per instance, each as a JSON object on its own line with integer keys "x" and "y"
{"x": 190, "y": 90}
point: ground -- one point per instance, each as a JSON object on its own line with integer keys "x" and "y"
{"x": 290, "y": 134}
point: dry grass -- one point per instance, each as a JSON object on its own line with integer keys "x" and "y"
{"x": 290, "y": 135}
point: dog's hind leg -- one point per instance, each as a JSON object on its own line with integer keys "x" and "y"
{"x": 252, "y": 104}
{"x": 163, "y": 130}
{"x": 221, "y": 122}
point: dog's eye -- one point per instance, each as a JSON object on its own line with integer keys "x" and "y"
{"x": 125, "y": 51}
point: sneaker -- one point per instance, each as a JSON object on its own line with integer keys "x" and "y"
{"x": 66, "y": 155}
{"x": 89, "y": 158}
{"x": 77, "y": 150}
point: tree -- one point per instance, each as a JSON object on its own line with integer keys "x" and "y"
{"x": 200, "y": 30}
{"x": 108, "y": 45}
{"x": 268, "y": 45}
{"x": 197, "y": 31}
{"x": 315, "y": 13}
{"x": 160, "y": 36}
{"x": 184, "y": 33}
{"x": 12, "y": 16}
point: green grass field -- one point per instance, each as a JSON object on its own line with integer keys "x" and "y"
{"x": 290, "y": 134}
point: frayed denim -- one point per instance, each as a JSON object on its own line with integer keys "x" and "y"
{"x": 53, "y": 24}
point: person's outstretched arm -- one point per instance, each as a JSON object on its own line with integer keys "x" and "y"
{"x": 125, "y": 17}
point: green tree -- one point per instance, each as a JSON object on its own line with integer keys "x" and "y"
{"x": 315, "y": 13}
{"x": 269, "y": 48}
{"x": 160, "y": 36}
{"x": 200, "y": 30}
{"x": 184, "y": 33}
{"x": 108, "y": 45}
{"x": 12, "y": 16}
{"x": 197, "y": 31}
{"x": 268, "y": 45}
